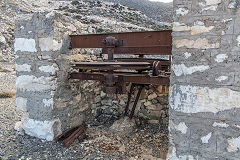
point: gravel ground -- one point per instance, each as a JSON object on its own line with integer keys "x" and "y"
{"x": 145, "y": 142}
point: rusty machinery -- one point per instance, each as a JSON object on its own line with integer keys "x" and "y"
{"x": 116, "y": 73}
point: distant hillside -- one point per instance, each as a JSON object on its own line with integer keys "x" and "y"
{"x": 156, "y": 10}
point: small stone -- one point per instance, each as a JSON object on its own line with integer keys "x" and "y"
{"x": 152, "y": 96}
{"x": 103, "y": 94}
{"x": 122, "y": 102}
{"x": 18, "y": 127}
{"x": 123, "y": 124}
{"x": 156, "y": 107}
{"x": 152, "y": 121}
{"x": 72, "y": 28}
{"x": 2, "y": 39}
{"x": 148, "y": 103}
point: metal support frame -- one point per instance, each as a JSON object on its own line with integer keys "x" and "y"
{"x": 116, "y": 73}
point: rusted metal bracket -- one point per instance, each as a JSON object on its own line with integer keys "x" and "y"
{"x": 70, "y": 135}
{"x": 141, "y": 86}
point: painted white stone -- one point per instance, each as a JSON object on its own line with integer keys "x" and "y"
{"x": 212, "y": 8}
{"x": 179, "y": 27}
{"x": 197, "y": 28}
{"x": 200, "y": 43}
{"x": 221, "y": 58}
{"x": 194, "y": 99}
{"x": 182, "y": 11}
{"x": 21, "y": 103}
{"x": 48, "y": 103}
{"x": 238, "y": 39}
{"x": 173, "y": 155}
{"x": 206, "y": 138}
{"x": 221, "y": 124}
{"x": 41, "y": 129}
{"x": 23, "y": 68}
{"x": 212, "y": 2}
{"x": 2, "y": 39}
{"x": 181, "y": 127}
{"x": 210, "y": 5}
{"x": 227, "y": 20}
{"x": 187, "y": 55}
{"x": 221, "y": 78}
{"x": 18, "y": 128}
{"x": 49, "y": 69}
{"x": 181, "y": 69}
{"x": 49, "y": 44}
{"x": 234, "y": 145}
{"x": 200, "y": 29}
{"x": 32, "y": 83}
{"x": 232, "y": 4}
{"x": 237, "y": 126}
{"x": 50, "y": 14}
{"x": 25, "y": 45}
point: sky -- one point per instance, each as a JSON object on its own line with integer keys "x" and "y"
{"x": 162, "y": 0}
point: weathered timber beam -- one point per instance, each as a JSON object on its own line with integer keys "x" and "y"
{"x": 162, "y": 61}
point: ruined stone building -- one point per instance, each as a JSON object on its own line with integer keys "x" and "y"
{"x": 204, "y": 97}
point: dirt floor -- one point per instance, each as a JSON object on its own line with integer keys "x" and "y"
{"x": 143, "y": 142}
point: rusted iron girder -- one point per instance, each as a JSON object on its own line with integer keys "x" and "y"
{"x": 69, "y": 136}
{"x": 113, "y": 65}
{"x": 151, "y": 42}
{"x": 125, "y": 78}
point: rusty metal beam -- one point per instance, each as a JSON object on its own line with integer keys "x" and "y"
{"x": 126, "y": 78}
{"x": 130, "y": 39}
{"x": 113, "y": 65}
{"x": 87, "y": 76}
{"x": 146, "y": 79}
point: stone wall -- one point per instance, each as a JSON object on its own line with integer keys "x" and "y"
{"x": 45, "y": 96}
{"x": 205, "y": 89}
{"x": 52, "y": 103}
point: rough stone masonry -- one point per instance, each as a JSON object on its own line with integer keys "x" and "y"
{"x": 42, "y": 89}
{"x": 52, "y": 103}
{"x": 205, "y": 81}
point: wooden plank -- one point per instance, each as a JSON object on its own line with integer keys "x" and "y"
{"x": 162, "y": 61}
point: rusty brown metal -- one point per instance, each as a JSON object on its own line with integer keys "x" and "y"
{"x": 69, "y": 136}
{"x": 116, "y": 73}
{"x": 130, "y": 39}
{"x": 78, "y": 132}
{"x": 127, "y": 78}
{"x": 112, "y": 65}
{"x": 136, "y": 100}
{"x": 129, "y": 98}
